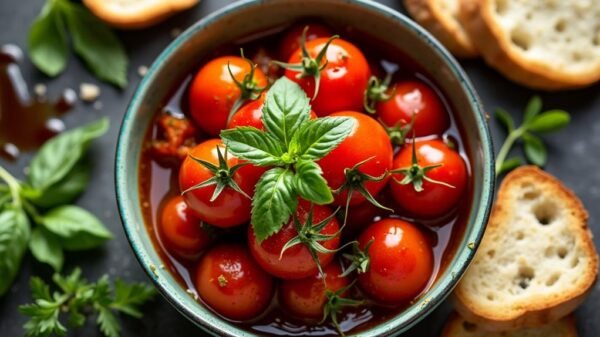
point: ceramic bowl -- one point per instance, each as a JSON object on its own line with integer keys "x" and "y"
{"x": 237, "y": 20}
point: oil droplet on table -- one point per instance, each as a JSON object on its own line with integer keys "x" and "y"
{"x": 26, "y": 121}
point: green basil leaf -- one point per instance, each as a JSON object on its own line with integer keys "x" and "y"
{"x": 5, "y": 195}
{"x": 252, "y": 145}
{"x": 510, "y": 164}
{"x": 318, "y": 137}
{"x": 96, "y": 44}
{"x": 274, "y": 202}
{"x": 310, "y": 184}
{"x": 286, "y": 108}
{"x": 533, "y": 108}
{"x": 14, "y": 236}
{"x": 62, "y": 192}
{"x": 47, "y": 41}
{"x": 549, "y": 121}
{"x": 77, "y": 228}
{"x": 505, "y": 119}
{"x": 59, "y": 155}
{"x": 46, "y": 248}
{"x": 535, "y": 150}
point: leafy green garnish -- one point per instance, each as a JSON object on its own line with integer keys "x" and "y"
{"x": 77, "y": 298}
{"x": 290, "y": 144}
{"x": 93, "y": 41}
{"x": 534, "y": 121}
{"x": 14, "y": 236}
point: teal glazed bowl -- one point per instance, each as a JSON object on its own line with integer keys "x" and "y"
{"x": 236, "y": 21}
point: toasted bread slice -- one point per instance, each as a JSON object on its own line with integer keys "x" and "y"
{"x": 548, "y": 45}
{"x": 456, "y": 326}
{"x": 132, "y": 14}
{"x": 440, "y": 17}
{"x": 537, "y": 261}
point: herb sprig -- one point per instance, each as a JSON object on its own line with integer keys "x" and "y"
{"x": 77, "y": 298}
{"x": 534, "y": 122}
{"x": 57, "y": 175}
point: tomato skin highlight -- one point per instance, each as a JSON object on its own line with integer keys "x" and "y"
{"x": 401, "y": 261}
{"x": 230, "y": 208}
{"x": 291, "y": 40}
{"x": 368, "y": 139}
{"x": 343, "y": 80}
{"x": 418, "y": 98}
{"x": 297, "y": 261}
{"x": 231, "y": 283}
{"x": 213, "y": 92}
{"x": 181, "y": 232}
{"x": 306, "y": 297}
{"x": 435, "y": 199}
{"x": 251, "y": 115}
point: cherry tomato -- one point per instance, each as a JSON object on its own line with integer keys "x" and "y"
{"x": 231, "y": 283}
{"x": 182, "y": 233}
{"x": 230, "y": 208}
{"x": 251, "y": 115}
{"x": 213, "y": 92}
{"x": 414, "y": 97}
{"x": 297, "y": 261}
{"x": 436, "y": 198}
{"x": 343, "y": 81}
{"x": 291, "y": 41}
{"x": 306, "y": 297}
{"x": 368, "y": 140}
{"x": 400, "y": 261}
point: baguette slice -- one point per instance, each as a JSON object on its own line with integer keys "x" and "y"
{"x": 548, "y": 45}
{"x": 133, "y": 14}
{"x": 537, "y": 261}
{"x": 440, "y": 18}
{"x": 456, "y": 326}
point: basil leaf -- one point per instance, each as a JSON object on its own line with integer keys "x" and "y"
{"x": 533, "y": 108}
{"x": 47, "y": 41}
{"x": 77, "y": 228}
{"x": 286, "y": 108}
{"x": 535, "y": 150}
{"x": 96, "y": 44}
{"x": 62, "y": 192}
{"x": 319, "y": 136}
{"x": 14, "y": 236}
{"x": 58, "y": 156}
{"x": 310, "y": 184}
{"x": 549, "y": 121}
{"x": 505, "y": 119}
{"x": 46, "y": 248}
{"x": 510, "y": 164}
{"x": 252, "y": 145}
{"x": 274, "y": 202}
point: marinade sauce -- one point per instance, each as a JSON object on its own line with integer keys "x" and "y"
{"x": 158, "y": 183}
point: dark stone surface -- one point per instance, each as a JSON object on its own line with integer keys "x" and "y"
{"x": 574, "y": 157}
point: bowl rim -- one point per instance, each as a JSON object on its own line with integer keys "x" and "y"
{"x": 441, "y": 288}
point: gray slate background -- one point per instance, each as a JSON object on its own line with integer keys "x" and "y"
{"x": 574, "y": 157}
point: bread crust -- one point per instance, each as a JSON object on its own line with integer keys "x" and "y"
{"x": 498, "y": 52}
{"x": 146, "y": 13}
{"x": 541, "y": 312}
{"x": 446, "y": 29}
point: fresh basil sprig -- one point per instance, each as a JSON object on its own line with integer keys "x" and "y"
{"x": 290, "y": 144}
{"x": 534, "y": 122}
{"x": 57, "y": 175}
{"x": 92, "y": 40}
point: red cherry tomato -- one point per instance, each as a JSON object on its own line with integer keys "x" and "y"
{"x": 306, "y": 297}
{"x": 213, "y": 91}
{"x": 414, "y": 97}
{"x": 180, "y": 231}
{"x": 435, "y": 199}
{"x": 400, "y": 261}
{"x": 230, "y": 208}
{"x": 251, "y": 115}
{"x": 232, "y": 284}
{"x": 343, "y": 81}
{"x": 291, "y": 40}
{"x": 297, "y": 261}
{"x": 368, "y": 140}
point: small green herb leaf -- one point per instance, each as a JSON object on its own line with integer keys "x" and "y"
{"x": 77, "y": 228}
{"x": 310, "y": 184}
{"x": 108, "y": 323}
{"x": 62, "y": 192}
{"x": 128, "y": 297}
{"x": 47, "y": 41}
{"x": 505, "y": 119}
{"x": 274, "y": 201}
{"x": 533, "y": 108}
{"x": 46, "y": 248}
{"x": 549, "y": 121}
{"x": 318, "y": 137}
{"x": 535, "y": 150}
{"x": 510, "y": 164}
{"x": 253, "y": 145}
{"x": 14, "y": 236}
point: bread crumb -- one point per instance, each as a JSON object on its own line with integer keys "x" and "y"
{"x": 142, "y": 70}
{"x": 89, "y": 92}
{"x": 40, "y": 90}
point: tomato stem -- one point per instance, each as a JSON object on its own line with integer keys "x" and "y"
{"x": 249, "y": 89}
{"x": 359, "y": 259}
{"x": 377, "y": 91}
{"x": 335, "y": 304}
